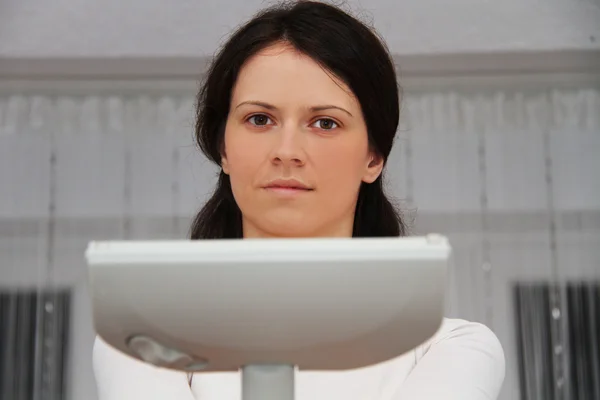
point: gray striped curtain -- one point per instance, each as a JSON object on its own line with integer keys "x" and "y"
{"x": 34, "y": 338}
{"x": 551, "y": 344}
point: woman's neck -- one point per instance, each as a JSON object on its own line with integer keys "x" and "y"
{"x": 344, "y": 229}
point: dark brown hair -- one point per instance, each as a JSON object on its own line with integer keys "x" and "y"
{"x": 342, "y": 45}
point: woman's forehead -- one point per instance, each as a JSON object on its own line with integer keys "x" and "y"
{"x": 282, "y": 74}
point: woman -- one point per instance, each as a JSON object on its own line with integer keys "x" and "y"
{"x": 300, "y": 109}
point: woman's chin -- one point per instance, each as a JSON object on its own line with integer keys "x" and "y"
{"x": 291, "y": 226}
{"x": 289, "y": 231}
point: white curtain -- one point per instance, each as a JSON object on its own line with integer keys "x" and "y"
{"x": 513, "y": 177}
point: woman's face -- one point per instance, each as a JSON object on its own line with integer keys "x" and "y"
{"x": 296, "y": 148}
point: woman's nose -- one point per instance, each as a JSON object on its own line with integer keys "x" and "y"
{"x": 288, "y": 148}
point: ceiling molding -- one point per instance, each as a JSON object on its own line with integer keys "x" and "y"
{"x": 189, "y": 87}
{"x": 507, "y": 63}
{"x": 174, "y": 68}
{"x": 418, "y": 73}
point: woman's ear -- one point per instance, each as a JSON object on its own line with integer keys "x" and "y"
{"x": 224, "y": 164}
{"x": 374, "y": 168}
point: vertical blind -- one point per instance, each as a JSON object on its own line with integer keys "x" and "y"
{"x": 34, "y": 338}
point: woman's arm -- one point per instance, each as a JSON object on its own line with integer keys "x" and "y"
{"x": 463, "y": 361}
{"x": 121, "y": 377}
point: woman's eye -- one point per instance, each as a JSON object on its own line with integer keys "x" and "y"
{"x": 326, "y": 124}
{"x": 259, "y": 120}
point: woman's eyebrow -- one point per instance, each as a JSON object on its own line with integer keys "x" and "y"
{"x": 329, "y": 107}
{"x": 257, "y": 103}
{"x": 312, "y": 109}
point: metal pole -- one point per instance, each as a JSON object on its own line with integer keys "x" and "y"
{"x": 268, "y": 382}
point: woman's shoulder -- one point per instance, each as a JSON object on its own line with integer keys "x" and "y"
{"x": 119, "y": 376}
{"x": 460, "y": 353}
{"x": 467, "y": 332}
{"x": 467, "y": 335}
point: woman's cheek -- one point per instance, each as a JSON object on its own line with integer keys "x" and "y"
{"x": 244, "y": 157}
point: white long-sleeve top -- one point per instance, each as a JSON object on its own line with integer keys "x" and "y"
{"x": 462, "y": 361}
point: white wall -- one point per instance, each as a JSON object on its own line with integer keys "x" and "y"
{"x": 184, "y": 28}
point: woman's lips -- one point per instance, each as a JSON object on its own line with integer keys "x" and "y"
{"x": 287, "y": 187}
{"x": 286, "y": 190}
